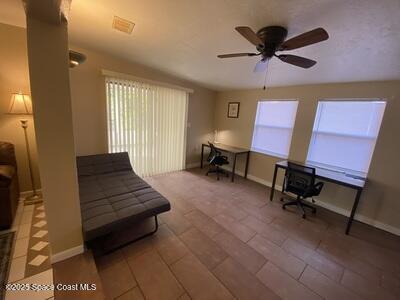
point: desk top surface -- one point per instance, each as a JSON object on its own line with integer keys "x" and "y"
{"x": 331, "y": 175}
{"x": 228, "y": 148}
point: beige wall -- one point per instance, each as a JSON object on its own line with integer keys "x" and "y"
{"x": 379, "y": 204}
{"x": 88, "y": 96}
{"x": 14, "y": 77}
{"x": 89, "y": 103}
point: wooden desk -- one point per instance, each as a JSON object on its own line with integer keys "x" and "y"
{"x": 230, "y": 149}
{"x": 330, "y": 176}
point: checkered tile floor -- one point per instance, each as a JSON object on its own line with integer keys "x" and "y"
{"x": 31, "y": 254}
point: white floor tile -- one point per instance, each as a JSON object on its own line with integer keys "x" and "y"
{"x": 45, "y": 277}
{"x": 21, "y": 247}
{"x": 38, "y": 260}
{"x": 26, "y": 217}
{"x": 40, "y": 224}
{"x": 39, "y": 246}
{"x": 29, "y": 207}
{"x": 17, "y": 269}
{"x": 23, "y": 231}
{"x": 20, "y": 207}
{"x": 40, "y": 215}
{"x": 40, "y": 234}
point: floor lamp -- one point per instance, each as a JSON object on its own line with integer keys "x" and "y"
{"x": 21, "y": 105}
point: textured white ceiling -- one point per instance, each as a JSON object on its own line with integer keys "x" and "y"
{"x": 183, "y": 37}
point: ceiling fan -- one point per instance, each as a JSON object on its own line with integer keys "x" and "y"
{"x": 271, "y": 39}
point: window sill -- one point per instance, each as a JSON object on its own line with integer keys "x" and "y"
{"x": 348, "y": 172}
{"x": 269, "y": 153}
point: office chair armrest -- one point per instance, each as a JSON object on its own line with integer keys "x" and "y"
{"x": 318, "y": 187}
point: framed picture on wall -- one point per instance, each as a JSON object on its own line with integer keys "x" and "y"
{"x": 233, "y": 109}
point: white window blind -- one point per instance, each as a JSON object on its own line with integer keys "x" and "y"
{"x": 149, "y": 122}
{"x": 273, "y": 127}
{"x": 345, "y": 133}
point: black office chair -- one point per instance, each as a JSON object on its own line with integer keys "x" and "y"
{"x": 300, "y": 180}
{"x": 216, "y": 160}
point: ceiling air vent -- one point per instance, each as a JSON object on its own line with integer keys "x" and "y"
{"x": 123, "y": 25}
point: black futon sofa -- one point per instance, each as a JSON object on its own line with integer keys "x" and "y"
{"x": 113, "y": 197}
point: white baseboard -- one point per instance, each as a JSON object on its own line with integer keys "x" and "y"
{"x": 27, "y": 193}
{"x": 66, "y": 254}
{"x": 192, "y": 165}
{"x": 361, "y": 218}
{"x": 328, "y": 206}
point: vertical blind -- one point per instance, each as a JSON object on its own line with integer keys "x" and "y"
{"x": 345, "y": 133}
{"x": 149, "y": 122}
{"x": 273, "y": 127}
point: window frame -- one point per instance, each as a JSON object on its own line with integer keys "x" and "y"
{"x": 364, "y": 137}
{"x": 269, "y": 152}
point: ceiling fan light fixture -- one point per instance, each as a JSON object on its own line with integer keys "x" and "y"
{"x": 75, "y": 58}
{"x": 270, "y": 39}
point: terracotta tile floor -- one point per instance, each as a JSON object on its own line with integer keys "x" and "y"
{"x": 224, "y": 240}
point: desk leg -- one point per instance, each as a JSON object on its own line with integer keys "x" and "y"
{"x": 353, "y": 210}
{"x": 202, "y": 154}
{"x": 233, "y": 167}
{"x": 247, "y": 164}
{"x": 271, "y": 196}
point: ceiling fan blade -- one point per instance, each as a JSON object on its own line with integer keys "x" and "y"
{"x": 261, "y": 66}
{"x": 249, "y": 35}
{"x": 308, "y": 38}
{"x": 236, "y": 55}
{"x": 297, "y": 60}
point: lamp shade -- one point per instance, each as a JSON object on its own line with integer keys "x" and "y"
{"x": 20, "y": 104}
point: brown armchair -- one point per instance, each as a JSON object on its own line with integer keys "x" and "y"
{"x": 9, "y": 189}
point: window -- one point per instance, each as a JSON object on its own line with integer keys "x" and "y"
{"x": 345, "y": 133}
{"x": 149, "y": 122}
{"x": 273, "y": 127}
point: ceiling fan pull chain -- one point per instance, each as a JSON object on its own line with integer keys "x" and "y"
{"x": 265, "y": 80}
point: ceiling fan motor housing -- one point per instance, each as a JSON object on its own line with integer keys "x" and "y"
{"x": 273, "y": 37}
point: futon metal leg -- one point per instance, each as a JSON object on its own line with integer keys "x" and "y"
{"x": 137, "y": 239}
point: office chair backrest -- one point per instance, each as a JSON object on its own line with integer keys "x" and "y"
{"x": 299, "y": 179}
{"x": 213, "y": 152}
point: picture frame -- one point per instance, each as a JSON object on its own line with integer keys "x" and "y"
{"x": 233, "y": 109}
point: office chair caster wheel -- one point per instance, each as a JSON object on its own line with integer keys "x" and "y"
{"x": 304, "y": 216}
{"x": 283, "y": 207}
{"x": 281, "y": 199}
{"x": 314, "y": 211}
